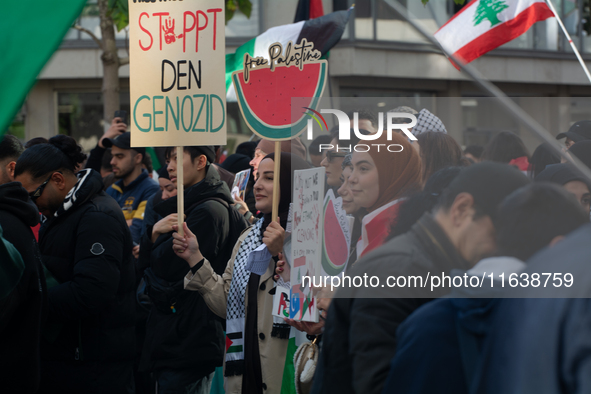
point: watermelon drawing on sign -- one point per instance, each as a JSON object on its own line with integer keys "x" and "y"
{"x": 335, "y": 248}
{"x": 265, "y": 100}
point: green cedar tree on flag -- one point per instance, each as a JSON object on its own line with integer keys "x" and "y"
{"x": 483, "y": 25}
{"x": 31, "y": 31}
{"x": 489, "y": 9}
{"x": 324, "y": 32}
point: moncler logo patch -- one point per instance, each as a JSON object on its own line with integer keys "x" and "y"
{"x": 97, "y": 249}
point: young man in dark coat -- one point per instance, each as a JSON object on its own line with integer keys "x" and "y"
{"x": 88, "y": 344}
{"x": 443, "y": 339}
{"x": 21, "y": 311}
{"x": 360, "y": 332}
{"x": 184, "y": 339}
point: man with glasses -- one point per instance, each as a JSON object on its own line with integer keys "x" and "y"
{"x": 20, "y": 309}
{"x": 88, "y": 342}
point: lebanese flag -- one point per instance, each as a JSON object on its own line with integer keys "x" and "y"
{"x": 483, "y": 25}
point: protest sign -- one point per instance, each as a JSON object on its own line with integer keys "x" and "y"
{"x": 177, "y": 73}
{"x": 265, "y": 87}
{"x": 240, "y": 182}
{"x": 306, "y": 241}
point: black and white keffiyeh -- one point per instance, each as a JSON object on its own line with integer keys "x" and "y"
{"x": 426, "y": 121}
{"x": 236, "y": 307}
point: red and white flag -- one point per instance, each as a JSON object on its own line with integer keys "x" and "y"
{"x": 483, "y": 25}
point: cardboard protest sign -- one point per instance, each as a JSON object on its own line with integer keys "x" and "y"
{"x": 336, "y": 236}
{"x": 266, "y": 85}
{"x": 177, "y": 73}
{"x": 306, "y": 241}
{"x": 240, "y": 182}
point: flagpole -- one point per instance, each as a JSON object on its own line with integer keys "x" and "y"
{"x": 494, "y": 91}
{"x": 572, "y": 44}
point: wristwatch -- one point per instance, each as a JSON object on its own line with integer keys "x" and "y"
{"x": 248, "y": 215}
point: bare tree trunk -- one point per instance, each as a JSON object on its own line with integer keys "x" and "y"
{"x": 110, "y": 60}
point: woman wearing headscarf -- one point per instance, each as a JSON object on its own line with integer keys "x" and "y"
{"x": 380, "y": 179}
{"x": 256, "y": 342}
{"x": 351, "y": 208}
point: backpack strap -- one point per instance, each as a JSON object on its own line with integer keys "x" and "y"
{"x": 224, "y": 203}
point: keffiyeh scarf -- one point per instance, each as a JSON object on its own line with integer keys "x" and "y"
{"x": 236, "y": 307}
{"x": 426, "y": 121}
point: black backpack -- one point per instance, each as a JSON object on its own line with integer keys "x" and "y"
{"x": 237, "y": 222}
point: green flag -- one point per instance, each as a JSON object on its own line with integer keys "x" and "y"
{"x": 31, "y": 30}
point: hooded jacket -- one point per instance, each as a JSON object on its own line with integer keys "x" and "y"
{"x": 191, "y": 337}
{"x": 133, "y": 198}
{"x": 360, "y": 332}
{"x": 21, "y": 311}
{"x": 86, "y": 246}
{"x": 443, "y": 339}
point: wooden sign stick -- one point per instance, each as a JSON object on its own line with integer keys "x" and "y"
{"x": 180, "y": 189}
{"x": 276, "y": 170}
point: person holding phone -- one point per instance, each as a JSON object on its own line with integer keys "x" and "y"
{"x": 118, "y": 127}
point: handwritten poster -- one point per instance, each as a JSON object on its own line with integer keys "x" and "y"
{"x": 306, "y": 241}
{"x": 177, "y": 73}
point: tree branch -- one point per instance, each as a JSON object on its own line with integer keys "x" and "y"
{"x": 123, "y": 61}
{"x": 91, "y": 34}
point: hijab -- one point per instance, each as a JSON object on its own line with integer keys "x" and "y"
{"x": 397, "y": 171}
{"x": 289, "y": 163}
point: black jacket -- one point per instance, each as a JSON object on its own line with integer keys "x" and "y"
{"x": 192, "y": 336}
{"x": 87, "y": 247}
{"x": 22, "y": 311}
{"x": 360, "y": 332}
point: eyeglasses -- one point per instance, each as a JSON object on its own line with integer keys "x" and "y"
{"x": 332, "y": 154}
{"x": 39, "y": 191}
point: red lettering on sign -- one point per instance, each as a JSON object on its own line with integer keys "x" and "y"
{"x": 160, "y": 27}
{"x": 215, "y": 17}
{"x": 185, "y": 29}
{"x": 145, "y": 31}
{"x": 199, "y": 28}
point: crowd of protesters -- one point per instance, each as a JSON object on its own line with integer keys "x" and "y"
{"x": 100, "y": 292}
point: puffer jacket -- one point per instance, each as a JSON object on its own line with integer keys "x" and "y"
{"x": 86, "y": 247}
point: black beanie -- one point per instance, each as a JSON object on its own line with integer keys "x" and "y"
{"x": 488, "y": 183}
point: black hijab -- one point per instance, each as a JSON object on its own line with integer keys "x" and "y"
{"x": 289, "y": 163}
